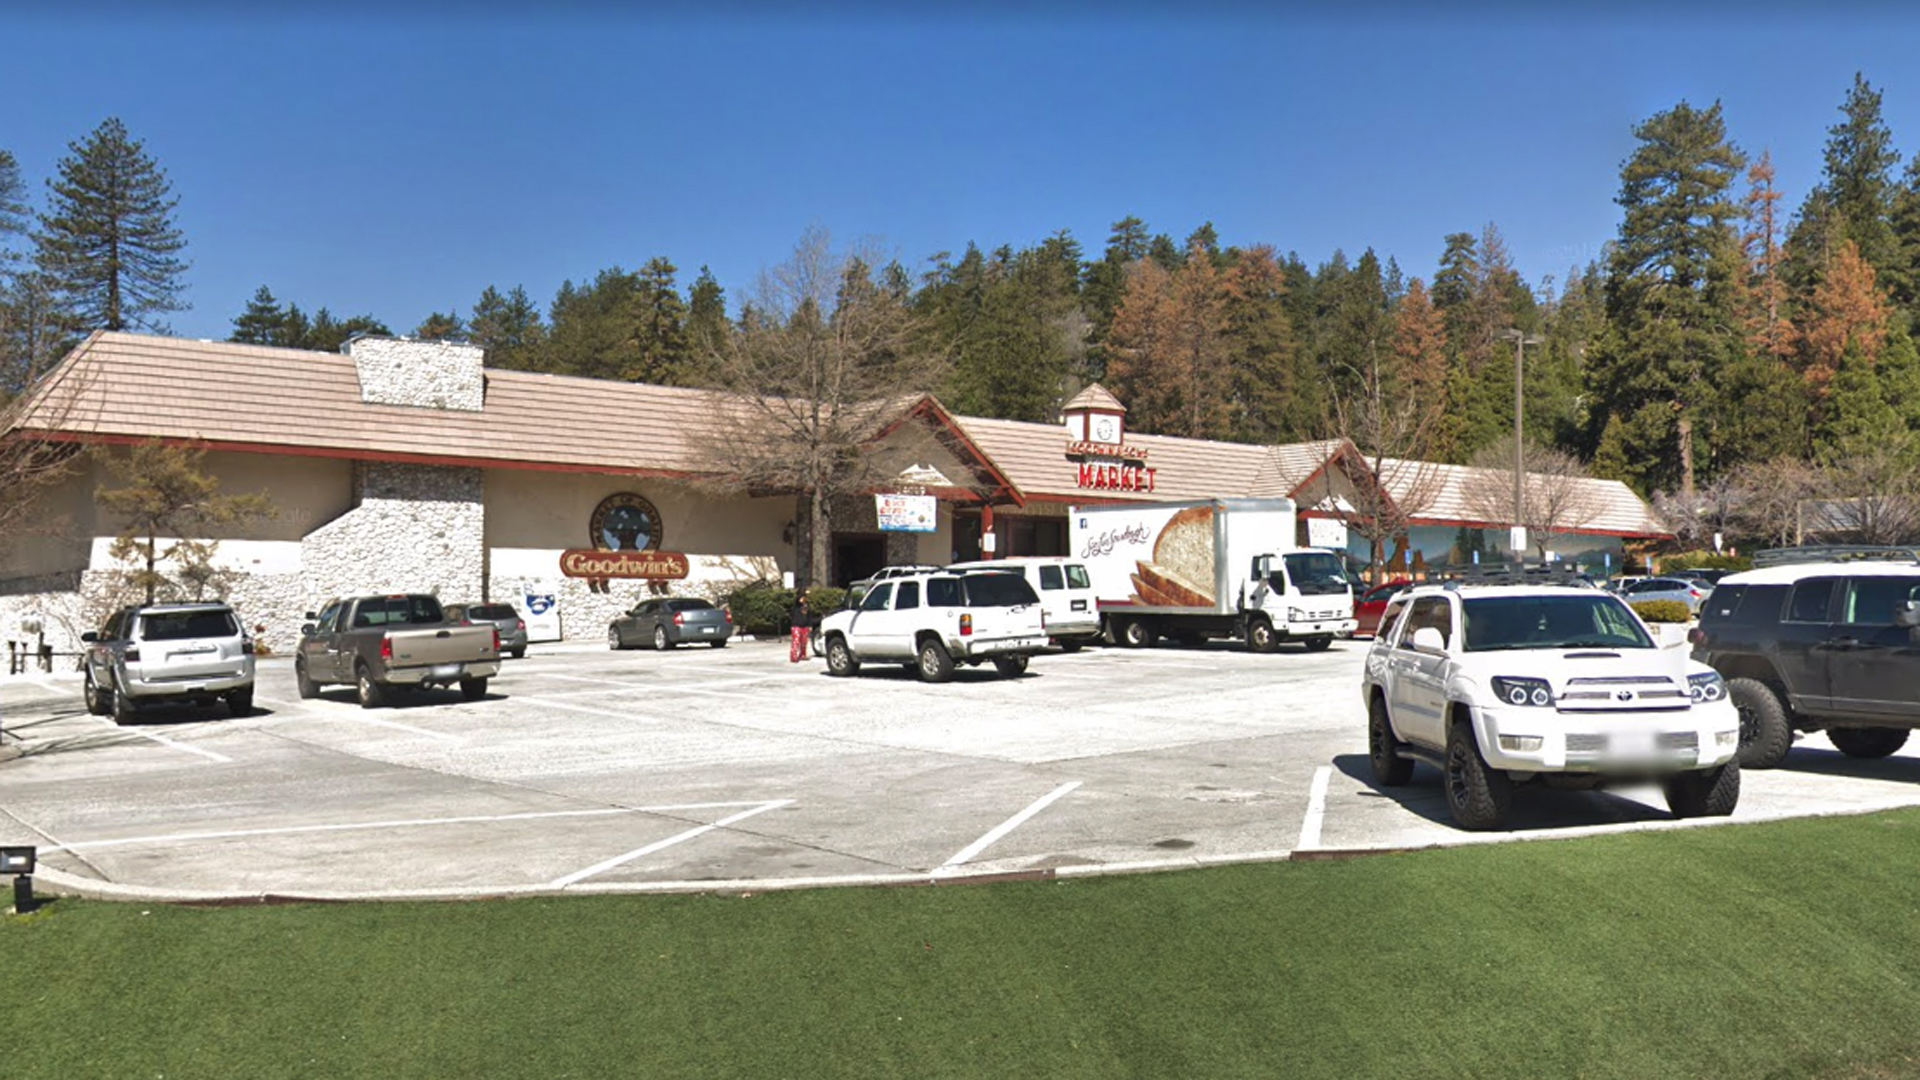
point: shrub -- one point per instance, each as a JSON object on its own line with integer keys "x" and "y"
{"x": 1663, "y": 611}
{"x": 763, "y": 607}
{"x": 1703, "y": 560}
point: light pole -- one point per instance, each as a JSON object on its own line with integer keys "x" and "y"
{"x": 1520, "y": 341}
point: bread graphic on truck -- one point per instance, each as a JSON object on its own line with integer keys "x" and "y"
{"x": 1182, "y": 571}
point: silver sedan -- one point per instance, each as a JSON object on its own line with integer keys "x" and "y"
{"x": 671, "y": 621}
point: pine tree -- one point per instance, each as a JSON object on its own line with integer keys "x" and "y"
{"x": 1275, "y": 397}
{"x": 1859, "y": 175}
{"x": 660, "y": 330}
{"x": 109, "y": 242}
{"x": 1846, "y": 322}
{"x": 14, "y": 215}
{"x": 1671, "y": 291}
{"x": 1769, "y": 330}
{"x": 440, "y": 327}
{"x": 508, "y": 328}
{"x": 264, "y": 322}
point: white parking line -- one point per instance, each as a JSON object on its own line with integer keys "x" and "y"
{"x": 1316, "y": 809}
{"x": 638, "y": 853}
{"x": 556, "y": 703}
{"x": 670, "y": 687}
{"x": 967, "y": 853}
{"x": 171, "y": 745}
{"x": 402, "y": 823}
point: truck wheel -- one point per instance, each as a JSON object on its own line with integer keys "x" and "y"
{"x": 1383, "y": 747}
{"x": 1260, "y": 636}
{"x": 307, "y": 688}
{"x": 1070, "y": 645}
{"x": 124, "y": 710}
{"x": 1479, "y": 797}
{"x": 520, "y": 653}
{"x": 840, "y": 659}
{"x": 372, "y": 695}
{"x": 473, "y": 689}
{"x": 1137, "y": 634}
{"x": 1319, "y": 644}
{"x": 99, "y": 702}
{"x": 1765, "y": 737}
{"x": 1010, "y": 666}
{"x": 936, "y": 664}
{"x": 240, "y": 702}
{"x": 1704, "y": 792}
{"x": 1867, "y": 742}
{"x": 660, "y": 642}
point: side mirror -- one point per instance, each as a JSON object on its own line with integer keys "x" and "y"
{"x": 90, "y": 637}
{"x": 1428, "y": 640}
{"x": 312, "y": 616}
{"x": 1907, "y": 613}
{"x": 307, "y": 630}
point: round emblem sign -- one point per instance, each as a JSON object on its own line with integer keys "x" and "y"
{"x": 625, "y": 522}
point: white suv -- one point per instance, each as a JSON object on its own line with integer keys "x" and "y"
{"x": 931, "y": 621}
{"x": 1497, "y": 685}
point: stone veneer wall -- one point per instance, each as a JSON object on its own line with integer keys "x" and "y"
{"x": 415, "y": 528}
{"x": 425, "y": 374}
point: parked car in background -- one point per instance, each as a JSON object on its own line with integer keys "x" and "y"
{"x": 382, "y": 645}
{"x": 1371, "y": 605}
{"x": 1690, "y": 593}
{"x": 1831, "y": 641}
{"x": 168, "y": 654}
{"x": 513, "y": 628}
{"x": 671, "y": 621}
{"x": 1066, "y": 592}
{"x": 930, "y": 622}
{"x": 1622, "y": 583}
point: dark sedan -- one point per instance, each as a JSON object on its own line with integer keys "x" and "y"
{"x": 1370, "y": 605}
{"x": 669, "y": 622}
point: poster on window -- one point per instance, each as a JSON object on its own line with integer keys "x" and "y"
{"x": 1327, "y": 533}
{"x": 904, "y": 513}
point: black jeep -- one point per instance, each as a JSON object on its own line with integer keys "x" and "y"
{"x": 1818, "y": 638}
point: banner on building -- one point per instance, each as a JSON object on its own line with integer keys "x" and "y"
{"x": 904, "y": 513}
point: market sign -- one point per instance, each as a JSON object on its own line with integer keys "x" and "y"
{"x": 597, "y": 563}
{"x": 1097, "y": 477}
{"x": 904, "y": 513}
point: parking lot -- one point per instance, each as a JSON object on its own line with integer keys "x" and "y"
{"x": 591, "y": 770}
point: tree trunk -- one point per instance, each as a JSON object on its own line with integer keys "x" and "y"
{"x": 1686, "y": 457}
{"x": 817, "y": 537}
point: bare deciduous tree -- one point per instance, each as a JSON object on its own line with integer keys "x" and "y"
{"x": 1713, "y": 510}
{"x": 1771, "y": 496}
{"x": 821, "y": 360}
{"x": 1872, "y": 493}
{"x": 1378, "y": 478}
{"x": 1555, "y": 497}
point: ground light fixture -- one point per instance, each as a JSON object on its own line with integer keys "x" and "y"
{"x": 18, "y": 862}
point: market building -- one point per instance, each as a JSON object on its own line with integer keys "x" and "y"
{"x": 408, "y": 465}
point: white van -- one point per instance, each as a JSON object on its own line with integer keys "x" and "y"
{"x": 1066, "y": 593}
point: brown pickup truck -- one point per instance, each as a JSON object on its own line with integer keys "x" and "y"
{"x": 380, "y": 643}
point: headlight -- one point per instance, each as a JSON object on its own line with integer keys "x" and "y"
{"x": 1707, "y": 687}
{"x": 1534, "y": 692}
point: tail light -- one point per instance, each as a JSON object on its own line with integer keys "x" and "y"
{"x": 132, "y": 655}
{"x": 519, "y": 624}
{"x": 496, "y": 639}
{"x": 1696, "y": 636}
{"x": 966, "y": 624}
{"x": 386, "y": 650}
{"x": 679, "y": 618}
{"x": 728, "y": 614}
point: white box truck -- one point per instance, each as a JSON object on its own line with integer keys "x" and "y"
{"x": 1221, "y": 568}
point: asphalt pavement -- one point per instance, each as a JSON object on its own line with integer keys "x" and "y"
{"x": 586, "y": 770}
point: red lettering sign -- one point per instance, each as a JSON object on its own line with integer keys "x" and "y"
{"x": 1116, "y": 477}
{"x": 595, "y": 563}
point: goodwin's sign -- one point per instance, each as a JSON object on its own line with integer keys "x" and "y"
{"x": 595, "y": 563}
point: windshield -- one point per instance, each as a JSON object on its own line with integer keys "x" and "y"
{"x": 181, "y": 625}
{"x": 1316, "y": 573}
{"x": 1573, "y": 621}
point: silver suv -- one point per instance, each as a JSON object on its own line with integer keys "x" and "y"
{"x": 170, "y": 654}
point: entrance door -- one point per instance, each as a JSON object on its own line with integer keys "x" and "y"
{"x": 857, "y": 556}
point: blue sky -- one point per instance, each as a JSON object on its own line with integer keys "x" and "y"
{"x": 399, "y": 160}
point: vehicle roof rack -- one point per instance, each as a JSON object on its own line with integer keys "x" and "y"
{"x": 1835, "y": 553}
{"x": 1559, "y": 573}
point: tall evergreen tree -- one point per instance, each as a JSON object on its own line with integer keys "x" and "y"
{"x": 509, "y": 329}
{"x": 264, "y": 322}
{"x": 660, "y": 327}
{"x": 108, "y": 240}
{"x": 1275, "y": 397}
{"x": 439, "y": 326}
{"x": 1860, "y": 160}
{"x": 1671, "y": 291}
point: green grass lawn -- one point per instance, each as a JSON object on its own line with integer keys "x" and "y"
{"x": 1784, "y": 950}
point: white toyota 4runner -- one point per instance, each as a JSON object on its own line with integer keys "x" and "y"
{"x": 931, "y": 621}
{"x": 1497, "y": 685}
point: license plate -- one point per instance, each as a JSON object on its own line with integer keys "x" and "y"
{"x": 706, "y": 629}
{"x": 446, "y": 671}
{"x": 1010, "y": 644}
